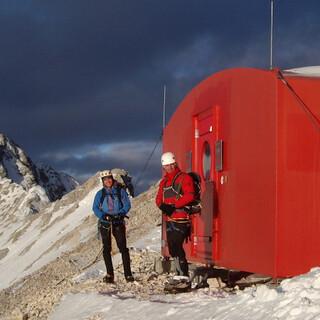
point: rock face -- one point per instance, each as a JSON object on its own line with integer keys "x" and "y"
{"x": 24, "y": 184}
{"x": 15, "y": 164}
{"x": 55, "y": 183}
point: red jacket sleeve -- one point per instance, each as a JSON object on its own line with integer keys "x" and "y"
{"x": 159, "y": 197}
{"x": 187, "y": 190}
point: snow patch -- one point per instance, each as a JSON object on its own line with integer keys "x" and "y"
{"x": 312, "y": 71}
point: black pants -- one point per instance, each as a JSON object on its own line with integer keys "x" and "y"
{"x": 177, "y": 233}
{"x": 119, "y": 232}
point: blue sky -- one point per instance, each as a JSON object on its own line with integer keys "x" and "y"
{"x": 81, "y": 81}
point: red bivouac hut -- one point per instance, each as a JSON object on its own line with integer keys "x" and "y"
{"x": 254, "y": 137}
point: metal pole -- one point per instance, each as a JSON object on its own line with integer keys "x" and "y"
{"x": 271, "y": 32}
{"x": 164, "y": 107}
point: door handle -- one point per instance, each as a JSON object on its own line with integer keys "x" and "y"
{"x": 219, "y": 155}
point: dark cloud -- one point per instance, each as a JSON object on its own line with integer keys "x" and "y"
{"x": 84, "y": 162}
{"x": 77, "y": 74}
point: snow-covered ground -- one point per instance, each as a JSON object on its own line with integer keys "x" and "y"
{"x": 33, "y": 244}
{"x": 296, "y": 298}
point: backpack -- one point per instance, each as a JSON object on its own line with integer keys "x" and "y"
{"x": 124, "y": 180}
{"x": 194, "y": 206}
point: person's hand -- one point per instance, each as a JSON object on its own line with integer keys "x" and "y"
{"x": 168, "y": 209}
{"x": 107, "y": 217}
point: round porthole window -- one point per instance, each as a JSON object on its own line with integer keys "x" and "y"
{"x": 206, "y": 161}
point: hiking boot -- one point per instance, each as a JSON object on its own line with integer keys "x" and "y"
{"x": 183, "y": 286}
{"x": 178, "y": 284}
{"x": 178, "y": 279}
{"x": 177, "y": 287}
{"x": 108, "y": 278}
{"x": 130, "y": 278}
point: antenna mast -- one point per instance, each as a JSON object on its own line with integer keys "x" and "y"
{"x": 164, "y": 108}
{"x": 271, "y": 32}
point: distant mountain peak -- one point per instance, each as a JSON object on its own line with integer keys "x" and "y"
{"x": 20, "y": 169}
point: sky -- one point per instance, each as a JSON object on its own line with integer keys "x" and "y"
{"x": 81, "y": 82}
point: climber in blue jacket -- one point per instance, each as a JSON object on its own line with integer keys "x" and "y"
{"x": 110, "y": 205}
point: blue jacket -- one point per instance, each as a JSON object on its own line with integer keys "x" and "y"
{"x": 119, "y": 207}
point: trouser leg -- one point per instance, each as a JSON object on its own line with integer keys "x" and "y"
{"x": 119, "y": 232}
{"x": 176, "y": 235}
{"x": 106, "y": 241}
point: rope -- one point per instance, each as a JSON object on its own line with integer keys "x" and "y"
{"x": 305, "y": 108}
{"x": 81, "y": 269}
{"x": 147, "y": 162}
{"x": 94, "y": 261}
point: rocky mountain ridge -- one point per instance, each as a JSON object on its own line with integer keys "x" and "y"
{"x": 24, "y": 186}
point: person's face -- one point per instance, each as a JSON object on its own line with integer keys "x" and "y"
{"x": 168, "y": 168}
{"x": 107, "y": 182}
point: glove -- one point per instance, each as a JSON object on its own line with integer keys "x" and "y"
{"x": 168, "y": 209}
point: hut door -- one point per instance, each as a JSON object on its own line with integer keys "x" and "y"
{"x": 204, "y": 165}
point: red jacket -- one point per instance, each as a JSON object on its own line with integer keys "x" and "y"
{"x": 186, "y": 194}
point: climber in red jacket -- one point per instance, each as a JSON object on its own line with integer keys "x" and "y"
{"x": 176, "y": 190}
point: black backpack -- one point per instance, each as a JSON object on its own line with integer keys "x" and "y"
{"x": 194, "y": 206}
{"x": 124, "y": 180}
{"x": 128, "y": 185}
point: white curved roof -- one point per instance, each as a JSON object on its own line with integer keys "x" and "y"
{"x": 312, "y": 71}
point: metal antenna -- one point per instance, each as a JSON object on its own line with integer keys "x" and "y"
{"x": 271, "y": 32}
{"x": 164, "y": 108}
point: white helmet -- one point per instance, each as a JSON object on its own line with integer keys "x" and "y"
{"x": 105, "y": 173}
{"x": 168, "y": 158}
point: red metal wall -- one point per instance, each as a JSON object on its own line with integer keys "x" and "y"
{"x": 298, "y": 234}
{"x": 247, "y": 201}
